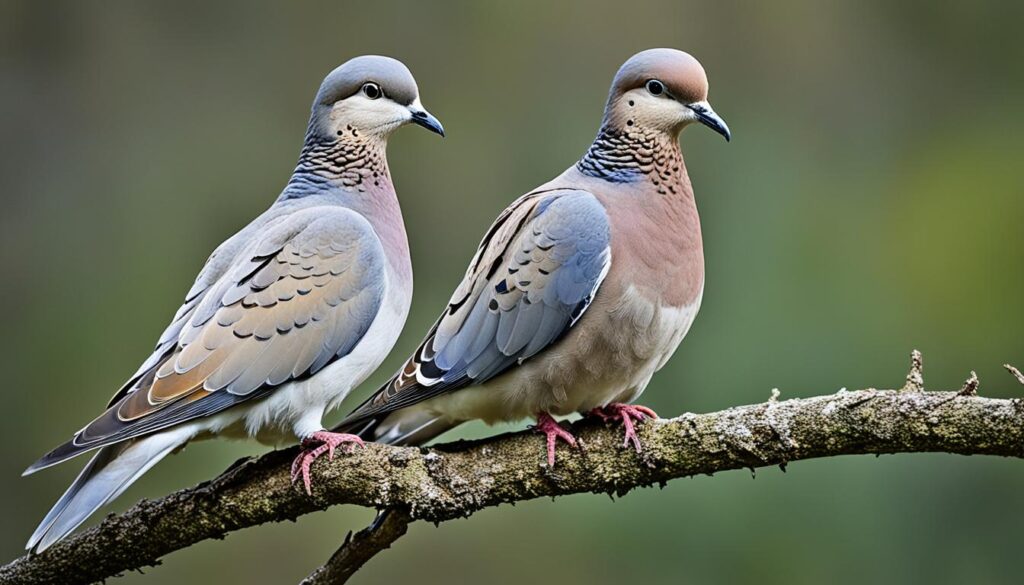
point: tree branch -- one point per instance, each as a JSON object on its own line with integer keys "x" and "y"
{"x": 356, "y": 550}
{"x": 454, "y": 480}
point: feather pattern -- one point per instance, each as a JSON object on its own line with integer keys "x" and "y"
{"x": 302, "y": 296}
{"x": 534, "y": 274}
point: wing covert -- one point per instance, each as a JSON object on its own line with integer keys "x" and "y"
{"x": 290, "y": 303}
{"x": 535, "y": 273}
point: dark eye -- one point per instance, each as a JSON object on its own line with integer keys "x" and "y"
{"x": 372, "y": 90}
{"x": 655, "y": 87}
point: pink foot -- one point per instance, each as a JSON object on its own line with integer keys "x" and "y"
{"x": 625, "y": 414}
{"x": 314, "y": 446}
{"x": 553, "y": 431}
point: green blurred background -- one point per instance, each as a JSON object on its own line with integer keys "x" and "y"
{"x": 870, "y": 203}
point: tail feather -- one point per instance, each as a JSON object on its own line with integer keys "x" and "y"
{"x": 408, "y": 426}
{"x": 105, "y": 477}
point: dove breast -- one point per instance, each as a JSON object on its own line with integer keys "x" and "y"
{"x": 639, "y": 316}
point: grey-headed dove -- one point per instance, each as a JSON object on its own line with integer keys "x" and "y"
{"x": 287, "y": 315}
{"x": 581, "y": 289}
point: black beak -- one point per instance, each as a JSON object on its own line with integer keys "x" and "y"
{"x": 708, "y": 117}
{"x": 427, "y": 120}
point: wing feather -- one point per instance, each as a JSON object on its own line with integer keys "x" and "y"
{"x": 293, "y": 301}
{"x": 536, "y": 271}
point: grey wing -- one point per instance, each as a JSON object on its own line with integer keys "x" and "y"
{"x": 216, "y": 266}
{"x": 535, "y": 274}
{"x": 301, "y": 296}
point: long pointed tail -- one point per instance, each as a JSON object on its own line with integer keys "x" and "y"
{"x": 107, "y": 475}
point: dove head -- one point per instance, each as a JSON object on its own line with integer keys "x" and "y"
{"x": 661, "y": 90}
{"x": 369, "y": 96}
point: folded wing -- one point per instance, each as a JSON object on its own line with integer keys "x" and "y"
{"x": 536, "y": 271}
{"x": 295, "y": 300}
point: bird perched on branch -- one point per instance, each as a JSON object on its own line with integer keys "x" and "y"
{"x": 287, "y": 315}
{"x": 581, "y": 289}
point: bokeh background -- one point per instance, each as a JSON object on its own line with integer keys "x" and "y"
{"x": 871, "y": 202}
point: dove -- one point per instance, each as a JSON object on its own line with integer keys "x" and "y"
{"x": 581, "y": 289}
{"x": 286, "y": 316}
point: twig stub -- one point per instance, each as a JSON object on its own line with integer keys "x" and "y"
{"x": 1015, "y": 372}
{"x": 970, "y": 387}
{"x": 915, "y": 378}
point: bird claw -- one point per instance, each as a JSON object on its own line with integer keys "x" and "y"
{"x": 553, "y": 431}
{"x": 316, "y": 445}
{"x": 625, "y": 414}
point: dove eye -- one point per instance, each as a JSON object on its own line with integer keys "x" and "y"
{"x": 372, "y": 90}
{"x": 655, "y": 87}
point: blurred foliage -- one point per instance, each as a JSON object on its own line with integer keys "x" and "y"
{"x": 870, "y": 202}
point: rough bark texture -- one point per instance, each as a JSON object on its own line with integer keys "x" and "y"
{"x": 455, "y": 480}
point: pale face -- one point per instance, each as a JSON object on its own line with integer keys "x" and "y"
{"x": 368, "y": 111}
{"x": 654, "y": 107}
